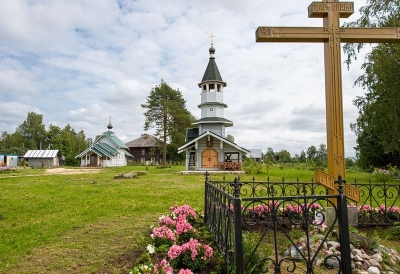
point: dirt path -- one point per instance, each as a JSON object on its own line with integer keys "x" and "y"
{"x": 61, "y": 170}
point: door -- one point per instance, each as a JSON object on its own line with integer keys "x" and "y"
{"x": 209, "y": 158}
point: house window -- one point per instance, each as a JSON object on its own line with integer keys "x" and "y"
{"x": 211, "y": 109}
{"x": 143, "y": 151}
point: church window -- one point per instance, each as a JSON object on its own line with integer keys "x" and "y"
{"x": 218, "y": 87}
{"x": 212, "y": 87}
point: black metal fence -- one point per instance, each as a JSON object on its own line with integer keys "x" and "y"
{"x": 234, "y": 208}
{"x": 379, "y": 203}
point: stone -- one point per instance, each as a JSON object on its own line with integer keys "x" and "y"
{"x": 352, "y": 216}
{"x": 373, "y": 270}
{"x": 356, "y": 252}
{"x": 333, "y": 244}
{"x": 334, "y": 263}
{"x": 373, "y": 262}
{"x": 358, "y": 258}
{"x": 366, "y": 265}
{"x": 377, "y": 257}
{"x": 358, "y": 265}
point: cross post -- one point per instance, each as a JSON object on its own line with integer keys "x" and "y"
{"x": 332, "y": 35}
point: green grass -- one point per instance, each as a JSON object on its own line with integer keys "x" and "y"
{"x": 91, "y": 223}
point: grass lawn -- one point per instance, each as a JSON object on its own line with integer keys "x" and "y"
{"x": 91, "y": 223}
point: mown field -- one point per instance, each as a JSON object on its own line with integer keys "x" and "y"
{"x": 91, "y": 223}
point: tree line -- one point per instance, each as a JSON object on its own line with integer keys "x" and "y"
{"x": 31, "y": 134}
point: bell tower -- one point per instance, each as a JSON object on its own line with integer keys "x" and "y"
{"x": 212, "y": 99}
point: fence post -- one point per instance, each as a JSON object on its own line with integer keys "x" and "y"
{"x": 237, "y": 211}
{"x": 345, "y": 257}
{"x": 205, "y": 197}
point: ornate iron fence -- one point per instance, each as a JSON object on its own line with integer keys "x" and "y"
{"x": 231, "y": 208}
{"x": 379, "y": 204}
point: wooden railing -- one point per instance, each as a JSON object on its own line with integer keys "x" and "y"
{"x": 230, "y": 166}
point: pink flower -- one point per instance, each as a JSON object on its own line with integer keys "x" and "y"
{"x": 163, "y": 267}
{"x": 184, "y": 210}
{"x": 163, "y": 232}
{"x": 168, "y": 221}
{"x": 185, "y": 271}
{"x": 183, "y": 227}
{"x": 174, "y": 251}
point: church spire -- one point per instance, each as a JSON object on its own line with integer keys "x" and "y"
{"x": 212, "y": 72}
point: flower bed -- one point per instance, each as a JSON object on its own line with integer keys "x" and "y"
{"x": 178, "y": 245}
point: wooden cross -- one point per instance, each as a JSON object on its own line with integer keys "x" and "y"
{"x": 332, "y": 35}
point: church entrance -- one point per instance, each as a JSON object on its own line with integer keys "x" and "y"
{"x": 209, "y": 158}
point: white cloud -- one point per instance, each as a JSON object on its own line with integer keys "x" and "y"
{"x": 81, "y": 61}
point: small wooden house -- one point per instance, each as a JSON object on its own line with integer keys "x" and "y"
{"x": 42, "y": 158}
{"x": 145, "y": 149}
{"x": 106, "y": 151}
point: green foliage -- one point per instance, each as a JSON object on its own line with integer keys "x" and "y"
{"x": 377, "y": 127}
{"x": 252, "y": 257}
{"x": 166, "y": 112}
{"x": 31, "y": 134}
{"x": 32, "y": 131}
{"x": 250, "y": 166}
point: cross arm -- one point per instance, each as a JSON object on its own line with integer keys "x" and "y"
{"x": 320, "y": 34}
{"x": 370, "y": 35}
{"x": 291, "y": 34}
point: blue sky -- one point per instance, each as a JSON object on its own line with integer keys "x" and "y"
{"x": 80, "y": 61}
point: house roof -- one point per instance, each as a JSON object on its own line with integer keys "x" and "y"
{"x": 255, "y": 153}
{"x": 42, "y": 153}
{"x": 204, "y": 134}
{"x": 146, "y": 140}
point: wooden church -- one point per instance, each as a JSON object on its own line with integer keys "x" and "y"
{"x": 206, "y": 147}
{"x": 107, "y": 150}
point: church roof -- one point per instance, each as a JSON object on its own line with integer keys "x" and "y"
{"x": 212, "y": 72}
{"x": 113, "y": 138}
{"x": 204, "y": 134}
{"x": 145, "y": 140}
{"x": 103, "y": 149}
{"x": 210, "y": 120}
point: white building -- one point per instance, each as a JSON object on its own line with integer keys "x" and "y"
{"x": 206, "y": 147}
{"x": 106, "y": 151}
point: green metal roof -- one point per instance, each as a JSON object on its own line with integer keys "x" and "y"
{"x": 111, "y": 135}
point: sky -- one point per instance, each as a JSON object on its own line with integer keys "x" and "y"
{"x": 82, "y": 61}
